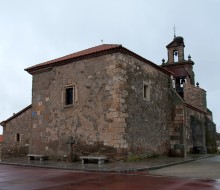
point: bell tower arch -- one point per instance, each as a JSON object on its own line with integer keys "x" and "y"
{"x": 176, "y": 50}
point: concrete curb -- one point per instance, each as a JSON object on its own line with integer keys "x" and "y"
{"x": 108, "y": 170}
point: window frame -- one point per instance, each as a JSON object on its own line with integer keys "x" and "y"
{"x": 146, "y": 91}
{"x": 18, "y": 137}
{"x": 71, "y": 101}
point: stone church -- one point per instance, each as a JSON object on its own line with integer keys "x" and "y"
{"x": 110, "y": 101}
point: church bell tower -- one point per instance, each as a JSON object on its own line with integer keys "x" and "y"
{"x": 182, "y": 69}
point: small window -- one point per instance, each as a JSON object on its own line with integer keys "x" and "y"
{"x": 18, "y": 137}
{"x": 146, "y": 92}
{"x": 69, "y": 97}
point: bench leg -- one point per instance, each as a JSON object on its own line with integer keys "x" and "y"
{"x": 84, "y": 161}
{"x": 101, "y": 162}
{"x": 30, "y": 158}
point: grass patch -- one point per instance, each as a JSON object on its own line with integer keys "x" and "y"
{"x": 135, "y": 157}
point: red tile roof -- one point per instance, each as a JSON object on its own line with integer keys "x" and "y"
{"x": 178, "y": 71}
{"x": 88, "y": 53}
{"x": 1, "y": 138}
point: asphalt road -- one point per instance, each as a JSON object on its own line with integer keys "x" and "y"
{"x": 28, "y": 178}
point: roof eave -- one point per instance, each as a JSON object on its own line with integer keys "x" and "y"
{"x": 43, "y": 68}
{"x": 3, "y": 123}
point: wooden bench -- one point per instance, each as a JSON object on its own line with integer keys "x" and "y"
{"x": 101, "y": 159}
{"x": 33, "y": 156}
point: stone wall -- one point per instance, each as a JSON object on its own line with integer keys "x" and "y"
{"x": 177, "y": 129}
{"x": 195, "y": 96}
{"x": 121, "y": 106}
{"x": 195, "y": 130}
{"x": 17, "y": 135}
{"x": 191, "y": 130}
{"x": 109, "y": 114}
{"x": 95, "y": 117}
{"x": 210, "y": 132}
{"x": 147, "y": 119}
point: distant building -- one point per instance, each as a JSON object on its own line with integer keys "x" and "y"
{"x": 113, "y": 102}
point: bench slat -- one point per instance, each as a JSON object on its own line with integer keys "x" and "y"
{"x": 93, "y": 157}
{"x": 101, "y": 159}
{"x": 32, "y": 156}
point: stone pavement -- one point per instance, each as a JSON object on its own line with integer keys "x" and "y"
{"x": 200, "y": 169}
{"x": 146, "y": 165}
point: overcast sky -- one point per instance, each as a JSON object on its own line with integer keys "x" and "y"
{"x": 33, "y": 31}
